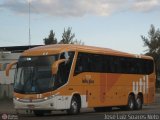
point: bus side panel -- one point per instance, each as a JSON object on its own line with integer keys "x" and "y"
{"x": 108, "y": 89}
{"x": 150, "y": 97}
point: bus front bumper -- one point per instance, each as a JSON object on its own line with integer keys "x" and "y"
{"x": 56, "y": 103}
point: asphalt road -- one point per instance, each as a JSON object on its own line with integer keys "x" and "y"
{"x": 153, "y": 111}
{"x": 148, "y": 112}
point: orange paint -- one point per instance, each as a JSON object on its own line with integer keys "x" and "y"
{"x": 103, "y": 86}
{"x": 111, "y": 80}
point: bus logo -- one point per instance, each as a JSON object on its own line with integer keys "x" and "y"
{"x": 141, "y": 85}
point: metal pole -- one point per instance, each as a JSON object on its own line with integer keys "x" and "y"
{"x": 29, "y": 24}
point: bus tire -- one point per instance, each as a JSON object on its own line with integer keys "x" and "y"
{"x": 139, "y": 103}
{"x": 131, "y": 102}
{"x": 74, "y": 107}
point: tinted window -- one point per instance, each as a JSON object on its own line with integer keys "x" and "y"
{"x": 87, "y": 62}
{"x": 64, "y": 69}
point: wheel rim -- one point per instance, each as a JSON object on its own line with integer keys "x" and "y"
{"x": 131, "y": 104}
{"x": 139, "y": 102}
{"x": 74, "y": 106}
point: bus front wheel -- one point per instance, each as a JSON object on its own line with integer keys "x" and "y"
{"x": 74, "y": 107}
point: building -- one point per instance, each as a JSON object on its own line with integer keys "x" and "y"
{"x": 8, "y": 55}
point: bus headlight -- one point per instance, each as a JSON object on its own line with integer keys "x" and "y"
{"x": 45, "y": 98}
{"x": 16, "y": 98}
{"x": 50, "y": 97}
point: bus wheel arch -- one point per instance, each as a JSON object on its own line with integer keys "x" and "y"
{"x": 139, "y": 101}
{"x": 75, "y": 104}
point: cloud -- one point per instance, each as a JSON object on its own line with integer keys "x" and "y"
{"x": 17, "y": 6}
{"x": 74, "y": 8}
{"x": 145, "y": 5}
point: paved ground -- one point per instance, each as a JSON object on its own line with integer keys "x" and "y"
{"x": 148, "y": 112}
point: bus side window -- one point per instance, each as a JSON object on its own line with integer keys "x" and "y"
{"x": 112, "y": 65}
{"x": 149, "y": 66}
{"x": 83, "y": 63}
{"x": 78, "y": 68}
{"x": 97, "y": 63}
{"x": 62, "y": 56}
{"x": 64, "y": 68}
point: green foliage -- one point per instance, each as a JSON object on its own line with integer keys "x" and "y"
{"x": 152, "y": 42}
{"x": 51, "y": 39}
{"x": 78, "y": 42}
{"x": 68, "y": 37}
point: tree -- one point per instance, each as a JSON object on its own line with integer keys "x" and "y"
{"x": 51, "y": 39}
{"x": 78, "y": 42}
{"x": 152, "y": 42}
{"x": 68, "y": 37}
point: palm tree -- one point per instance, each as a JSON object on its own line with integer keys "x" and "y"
{"x": 152, "y": 42}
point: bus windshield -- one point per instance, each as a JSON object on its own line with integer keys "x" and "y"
{"x": 33, "y": 74}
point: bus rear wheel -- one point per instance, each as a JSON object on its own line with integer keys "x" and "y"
{"x": 139, "y": 103}
{"x": 131, "y": 102}
{"x": 74, "y": 107}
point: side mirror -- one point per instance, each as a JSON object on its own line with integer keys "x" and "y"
{"x": 55, "y": 66}
{"x": 9, "y": 66}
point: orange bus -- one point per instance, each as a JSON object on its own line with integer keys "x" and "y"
{"x": 71, "y": 77}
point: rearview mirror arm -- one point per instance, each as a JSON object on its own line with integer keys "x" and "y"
{"x": 9, "y": 66}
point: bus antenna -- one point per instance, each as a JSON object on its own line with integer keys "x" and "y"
{"x": 29, "y": 32}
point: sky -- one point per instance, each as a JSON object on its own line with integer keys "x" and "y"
{"x": 115, "y": 24}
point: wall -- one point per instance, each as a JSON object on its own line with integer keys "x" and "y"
{"x": 6, "y": 91}
{"x": 6, "y": 83}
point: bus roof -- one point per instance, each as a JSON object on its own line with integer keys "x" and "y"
{"x": 58, "y": 48}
